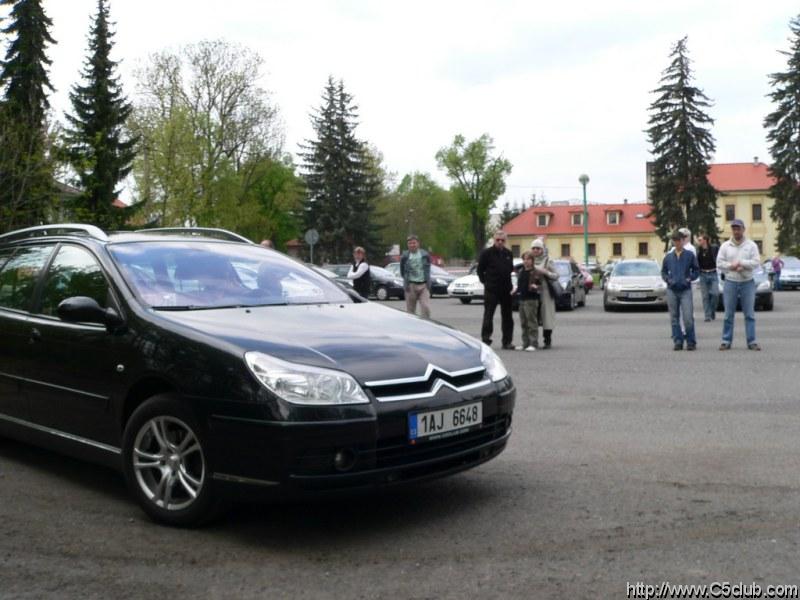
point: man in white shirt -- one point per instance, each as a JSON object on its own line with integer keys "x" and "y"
{"x": 736, "y": 259}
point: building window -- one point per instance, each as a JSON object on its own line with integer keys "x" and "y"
{"x": 577, "y": 218}
{"x": 592, "y": 249}
{"x": 542, "y": 220}
{"x": 730, "y": 212}
{"x": 564, "y": 249}
{"x": 760, "y": 244}
{"x": 616, "y": 249}
{"x": 643, "y": 250}
{"x": 612, "y": 218}
{"x": 515, "y": 250}
{"x": 756, "y": 212}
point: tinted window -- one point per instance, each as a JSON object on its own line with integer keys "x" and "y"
{"x": 19, "y": 276}
{"x": 73, "y": 272}
{"x": 195, "y": 275}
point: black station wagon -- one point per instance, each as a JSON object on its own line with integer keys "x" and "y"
{"x": 208, "y": 368}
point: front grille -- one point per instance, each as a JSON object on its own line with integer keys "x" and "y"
{"x": 427, "y": 385}
{"x": 645, "y": 299}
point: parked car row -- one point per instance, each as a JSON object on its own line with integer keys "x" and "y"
{"x": 384, "y": 285}
{"x": 440, "y": 278}
{"x": 764, "y": 297}
{"x": 790, "y": 273}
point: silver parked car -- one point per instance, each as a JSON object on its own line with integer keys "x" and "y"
{"x": 635, "y": 283}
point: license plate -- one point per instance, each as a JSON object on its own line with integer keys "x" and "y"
{"x": 637, "y": 295}
{"x": 440, "y": 423}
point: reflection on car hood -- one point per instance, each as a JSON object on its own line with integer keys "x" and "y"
{"x": 636, "y": 281}
{"x": 366, "y": 340}
{"x": 468, "y": 279}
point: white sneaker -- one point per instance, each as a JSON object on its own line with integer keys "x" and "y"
{"x": 530, "y": 349}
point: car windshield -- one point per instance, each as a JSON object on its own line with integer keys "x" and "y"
{"x": 636, "y": 269}
{"x": 439, "y": 271}
{"x": 199, "y": 275}
{"x": 791, "y": 262}
{"x": 760, "y": 275}
{"x": 563, "y": 268}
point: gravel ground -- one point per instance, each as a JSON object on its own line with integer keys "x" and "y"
{"x": 629, "y": 463}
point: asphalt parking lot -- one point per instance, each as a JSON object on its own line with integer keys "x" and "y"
{"x": 629, "y": 463}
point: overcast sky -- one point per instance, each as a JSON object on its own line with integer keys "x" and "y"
{"x": 562, "y": 87}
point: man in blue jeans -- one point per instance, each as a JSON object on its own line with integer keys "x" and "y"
{"x": 737, "y": 258}
{"x": 678, "y": 270}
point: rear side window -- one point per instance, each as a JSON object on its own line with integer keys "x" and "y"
{"x": 19, "y": 275}
{"x": 73, "y": 272}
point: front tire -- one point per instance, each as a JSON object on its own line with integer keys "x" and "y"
{"x": 382, "y": 293}
{"x": 465, "y": 300}
{"x": 166, "y": 461}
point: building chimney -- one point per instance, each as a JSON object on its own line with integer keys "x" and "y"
{"x": 624, "y": 200}
{"x": 755, "y": 161}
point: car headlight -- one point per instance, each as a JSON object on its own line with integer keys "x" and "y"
{"x": 613, "y": 287}
{"x": 660, "y": 285}
{"x": 495, "y": 368}
{"x": 441, "y": 282}
{"x": 398, "y": 282}
{"x": 303, "y": 384}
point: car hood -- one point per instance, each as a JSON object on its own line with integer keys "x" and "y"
{"x": 644, "y": 282}
{"x": 468, "y": 279}
{"x": 369, "y": 341}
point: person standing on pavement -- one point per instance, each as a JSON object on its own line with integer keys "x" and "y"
{"x": 709, "y": 283}
{"x": 528, "y": 284}
{"x": 678, "y": 270}
{"x": 737, "y": 258}
{"x": 415, "y": 269}
{"x": 495, "y": 265}
{"x": 777, "y": 267}
{"x": 545, "y": 270}
{"x": 359, "y": 273}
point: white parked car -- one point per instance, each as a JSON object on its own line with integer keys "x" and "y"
{"x": 469, "y": 287}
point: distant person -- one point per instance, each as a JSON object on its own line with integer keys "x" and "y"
{"x": 737, "y": 259}
{"x": 777, "y": 267}
{"x": 415, "y": 269}
{"x": 545, "y": 270}
{"x": 495, "y": 265}
{"x": 709, "y": 282}
{"x": 528, "y": 285}
{"x": 678, "y": 269}
{"x": 267, "y": 244}
{"x": 359, "y": 272}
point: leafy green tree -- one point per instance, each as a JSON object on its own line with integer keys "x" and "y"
{"x": 26, "y": 168}
{"x": 682, "y": 145}
{"x": 98, "y": 148}
{"x": 478, "y": 177}
{"x": 343, "y": 179}
{"x": 783, "y": 134}
{"x": 210, "y": 138}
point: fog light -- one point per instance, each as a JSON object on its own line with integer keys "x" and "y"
{"x": 344, "y": 459}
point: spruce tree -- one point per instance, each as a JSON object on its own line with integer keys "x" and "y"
{"x": 26, "y": 173}
{"x": 783, "y": 125}
{"x": 342, "y": 179}
{"x": 97, "y": 147}
{"x": 682, "y": 145}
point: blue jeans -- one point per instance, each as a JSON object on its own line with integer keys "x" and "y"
{"x": 681, "y": 304}
{"x": 709, "y": 292}
{"x": 776, "y": 280}
{"x": 744, "y": 292}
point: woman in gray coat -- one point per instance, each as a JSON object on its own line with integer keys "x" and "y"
{"x": 545, "y": 268}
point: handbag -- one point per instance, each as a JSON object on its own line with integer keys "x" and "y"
{"x": 554, "y": 285}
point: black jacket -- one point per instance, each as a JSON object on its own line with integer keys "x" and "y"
{"x": 494, "y": 269}
{"x": 523, "y": 285}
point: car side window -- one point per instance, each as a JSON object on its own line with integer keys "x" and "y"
{"x": 73, "y": 272}
{"x": 19, "y": 275}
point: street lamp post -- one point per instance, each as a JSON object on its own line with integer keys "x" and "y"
{"x": 584, "y": 179}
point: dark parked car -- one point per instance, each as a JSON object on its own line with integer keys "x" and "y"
{"x": 383, "y": 286}
{"x": 165, "y": 357}
{"x": 764, "y": 297}
{"x": 572, "y": 282}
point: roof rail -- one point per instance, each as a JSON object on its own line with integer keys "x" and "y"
{"x": 211, "y": 232}
{"x": 58, "y": 229}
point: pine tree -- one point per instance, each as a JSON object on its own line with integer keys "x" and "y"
{"x": 343, "y": 179}
{"x": 97, "y": 147}
{"x": 26, "y": 173}
{"x": 783, "y": 125}
{"x": 682, "y": 145}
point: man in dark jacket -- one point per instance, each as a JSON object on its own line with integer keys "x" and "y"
{"x": 678, "y": 270}
{"x": 494, "y": 270}
{"x": 709, "y": 284}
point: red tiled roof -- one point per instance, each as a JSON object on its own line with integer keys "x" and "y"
{"x": 633, "y": 219}
{"x": 740, "y": 177}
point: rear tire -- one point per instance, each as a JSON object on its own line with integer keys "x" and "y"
{"x": 382, "y": 293}
{"x": 167, "y": 463}
{"x": 465, "y": 300}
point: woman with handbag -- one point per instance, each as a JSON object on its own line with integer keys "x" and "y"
{"x": 546, "y": 272}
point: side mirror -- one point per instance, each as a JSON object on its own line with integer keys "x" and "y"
{"x": 81, "y": 309}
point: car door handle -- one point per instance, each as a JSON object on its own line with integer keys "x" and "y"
{"x": 36, "y": 336}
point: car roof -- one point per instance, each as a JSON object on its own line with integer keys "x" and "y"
{"x": 61, "y": 231}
